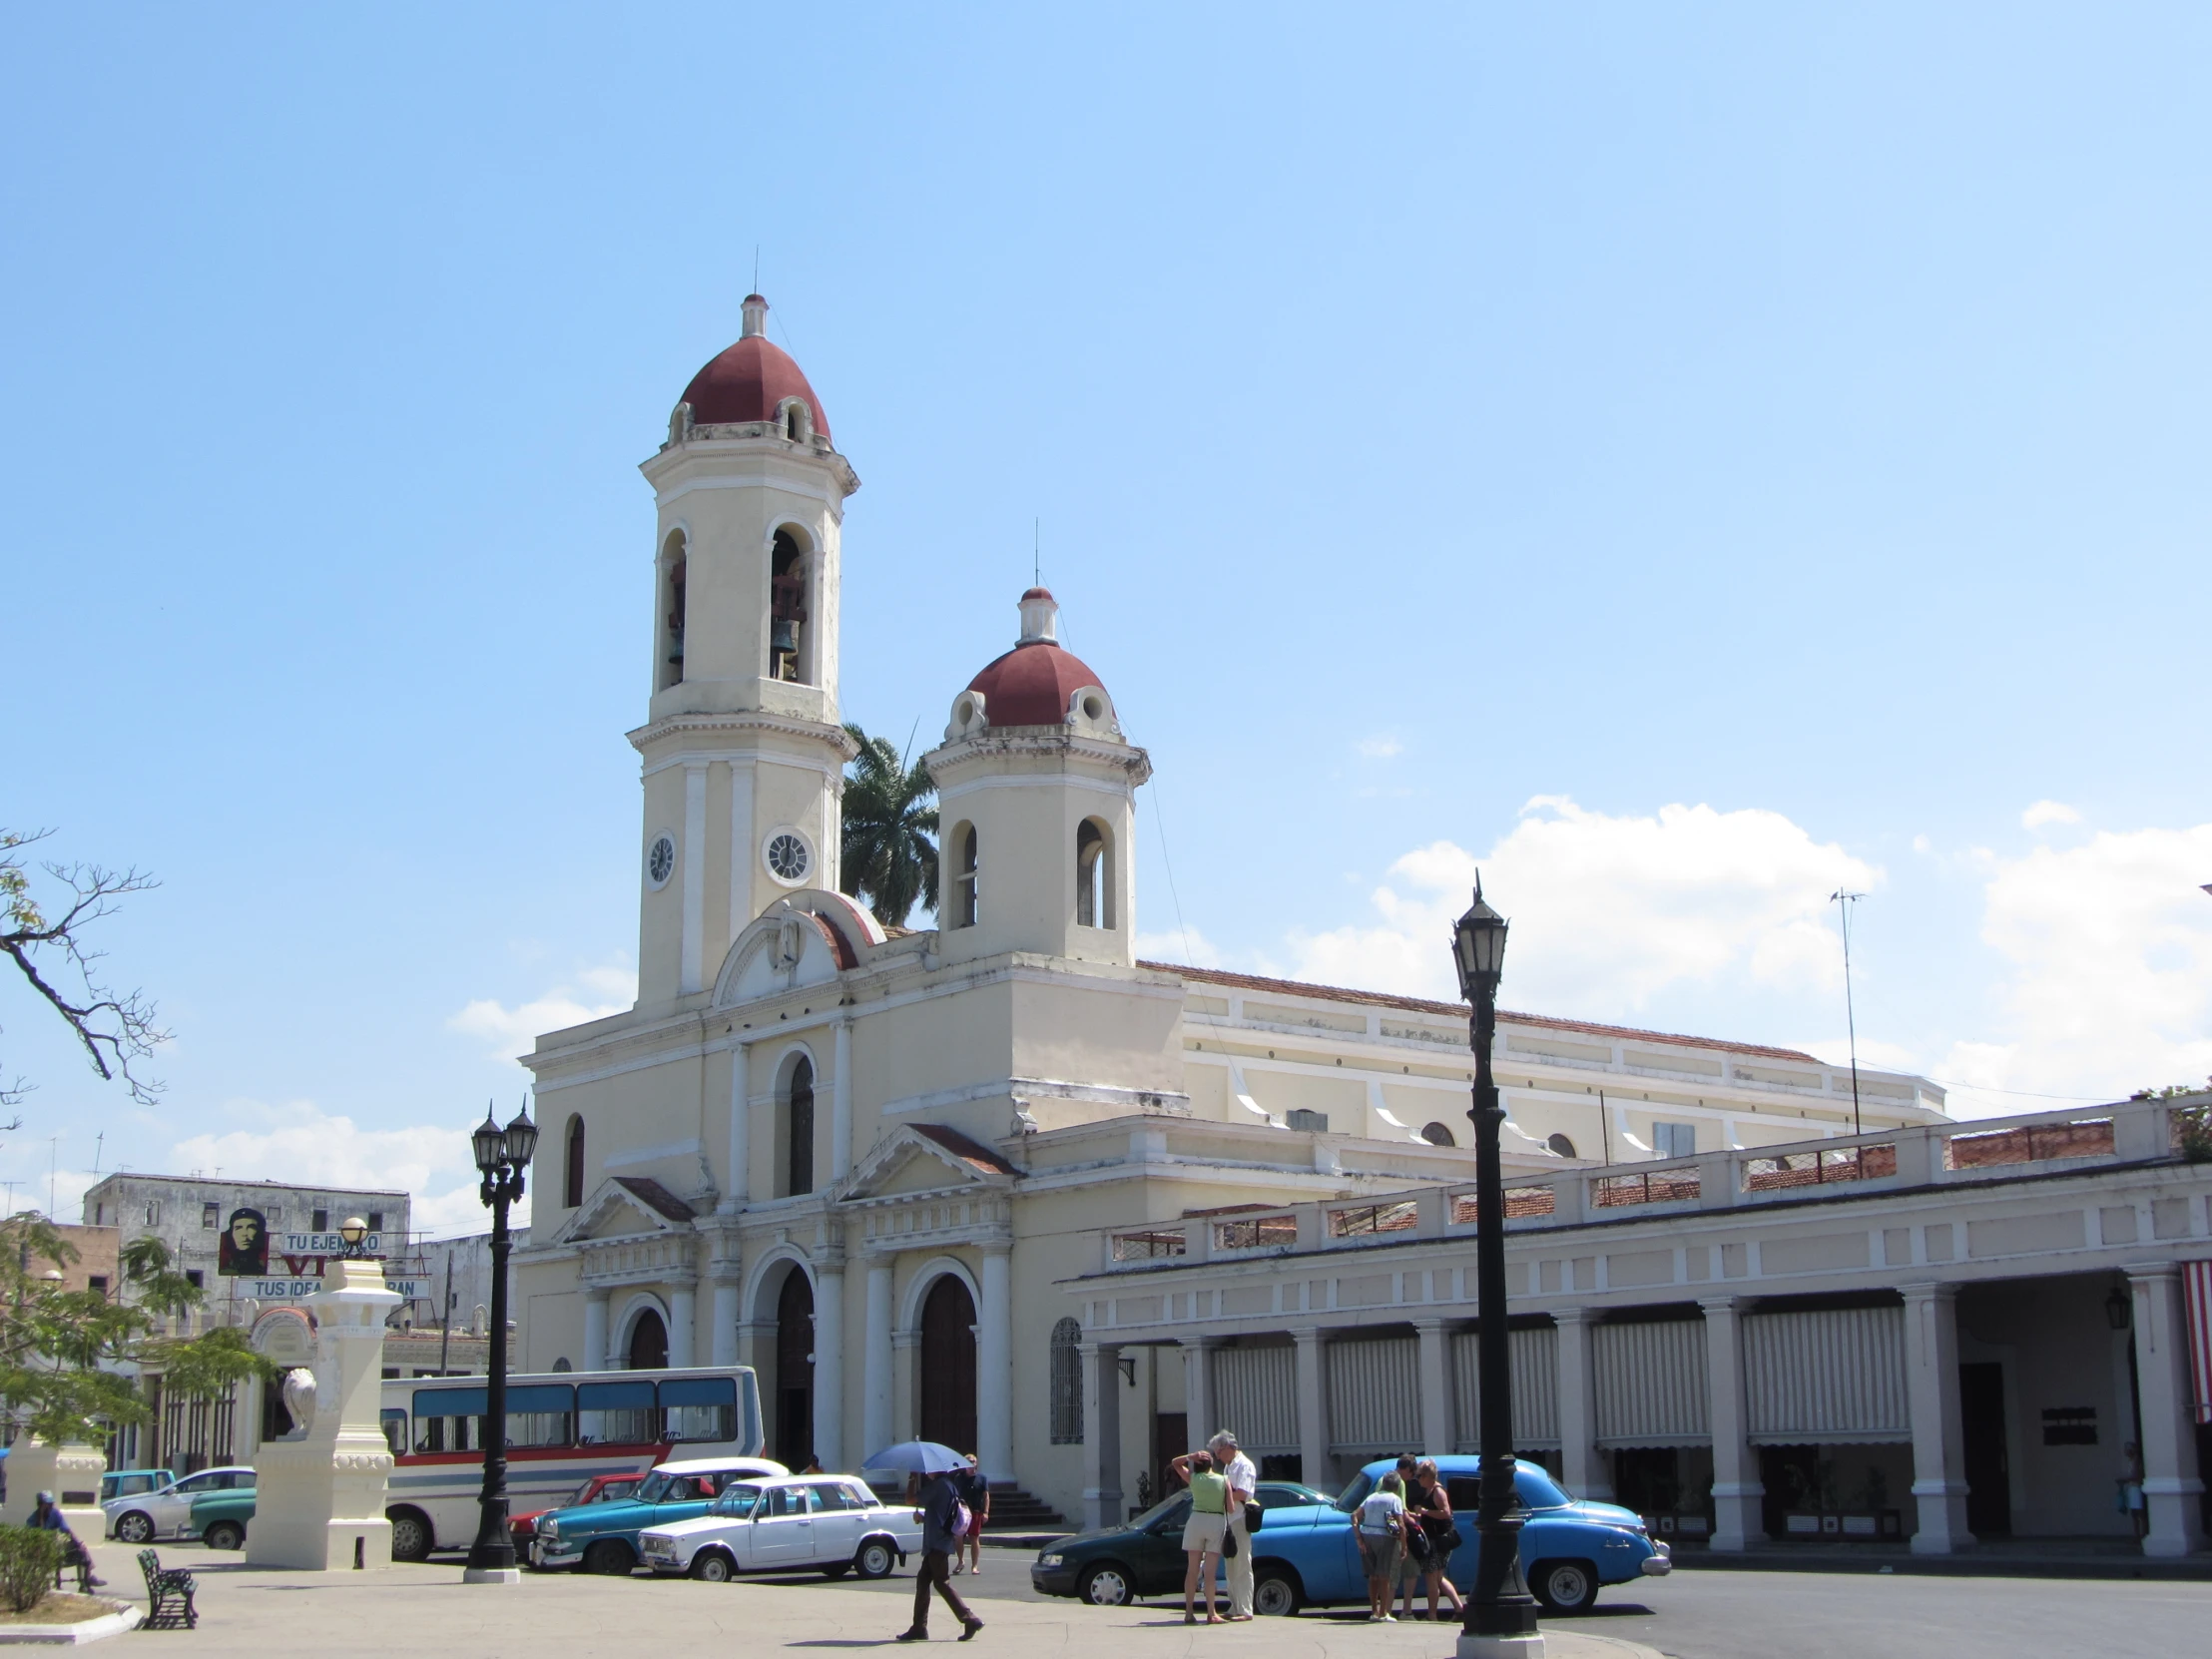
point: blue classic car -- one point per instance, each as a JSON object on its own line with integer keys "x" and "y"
{"x": 1305, "y": 1555}
{"x": 603, "y": 1537}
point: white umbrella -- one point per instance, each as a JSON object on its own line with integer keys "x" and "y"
{"x": 916, "y": 1458}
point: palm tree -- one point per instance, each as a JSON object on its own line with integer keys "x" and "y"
{"x": 891, "y": 825}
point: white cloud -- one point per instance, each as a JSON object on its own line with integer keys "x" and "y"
{"x": 301, "y": 1144}
{"x": 511, "y": 1031}
{"x": 1619, "y": 908}
{"x": 2108, "y": 968}
{"x": 2048, "y": 812}
{"x": 1380, "y": 747}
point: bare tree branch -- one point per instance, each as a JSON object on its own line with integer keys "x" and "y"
{"x": 115, "y": 1029}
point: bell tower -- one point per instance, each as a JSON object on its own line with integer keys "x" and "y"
{"x": 1037, "y": 802}
{"x": 743, "y": 755}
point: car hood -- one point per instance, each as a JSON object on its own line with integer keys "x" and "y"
{"x": 618, "y": 1516}
{"x": 1602, "y": 1514}
{"x": 696, "y": 1524}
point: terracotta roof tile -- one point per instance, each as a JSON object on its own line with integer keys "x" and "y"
{"x": 968, "y": 1151}
{"x": 1458, "y": 1010}
{"x": 651, "y": 1191}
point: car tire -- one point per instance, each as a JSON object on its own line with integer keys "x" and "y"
{"x": 711, "y": 1566}
{"x": 611, "y": 1558}
{"x": 135, "y": 1527}
{"x": 410, "y": 1536}
{"x": 225, "y": 1534}
{"x": 876, "y": 1559}
{"x": 1276, "y": 1594}
{"x": 1564, "y": 1586}
{"x": 1106, "y": 1585}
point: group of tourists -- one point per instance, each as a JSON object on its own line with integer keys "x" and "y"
{"x": 1407, "y": 1537}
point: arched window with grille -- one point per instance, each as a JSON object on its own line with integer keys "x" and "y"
{"x": 572, "y": 1174}
{"x": 1067, "y": 1384}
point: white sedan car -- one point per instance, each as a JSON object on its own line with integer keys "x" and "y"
{"x": 832, "y": 1524}
{"x": 141, "y": 1517}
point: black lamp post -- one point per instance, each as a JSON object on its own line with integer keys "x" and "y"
{"x": 354, "y": 1232}
{"x": 1500, "y": 1616}
{"x": 503, "y": 1155}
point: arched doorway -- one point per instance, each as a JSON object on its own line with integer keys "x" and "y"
{"x": 948, "y": 1365}
{"x": 648, "y": 1343}
{"x": 795, "y": 1372}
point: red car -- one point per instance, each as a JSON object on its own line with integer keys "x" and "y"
{"x": 600, "y": 1489}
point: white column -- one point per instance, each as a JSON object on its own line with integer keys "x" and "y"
{"x": 683, "y": 1319}
{"x": 1101, "y": 1434}
{"x": 2172, "y": 1481}
{"x": 1737, "y": 1520}
{"x": 1198, "y": 1390}
{"x": 994, "y": 1365}
{"x": 1435, "y": 1374}
{"x": 829, "y": 1367}
{"x": 841, "y": 1104}
{"x": 1581, "y": 1469}
{"x": 595, "y": 1330}
{"x": 1931, "y": 1395}
{"x": 875, "y": 1376}
{"x": 905, "y": 1406}
{"x": 724, "y": 1348}
{"x": 694, "y": 876}
{"x": 1313, "y": 1416}
{"x": 740, "y": 847}
{"x": 737, "y": 1193}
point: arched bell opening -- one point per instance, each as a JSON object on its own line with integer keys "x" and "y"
{"x": 790, "y": 645}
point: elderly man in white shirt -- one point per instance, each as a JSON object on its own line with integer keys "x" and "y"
{"x": 1244, "y": 1481}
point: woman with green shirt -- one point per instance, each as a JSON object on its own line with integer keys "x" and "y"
{"x": 1202, "y": 1533}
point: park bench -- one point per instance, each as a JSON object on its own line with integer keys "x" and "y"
{"x": 167, "y": 1594}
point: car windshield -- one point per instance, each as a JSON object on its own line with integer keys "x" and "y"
{"x": 1531, "y": 1485}
{"x": 1272, "y": 1495}
{"x": 738, "y": 1501}
{"x": 1159, "y": 1512}
{"x": 663, "y": 1488}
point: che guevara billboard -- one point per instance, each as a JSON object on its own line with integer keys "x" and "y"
{"x": 292, "y": 1272}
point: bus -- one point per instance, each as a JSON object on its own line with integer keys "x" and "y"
{"x": 563, "y": 1428}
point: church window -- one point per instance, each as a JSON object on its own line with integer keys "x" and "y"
{"x": 674, "y": 567}
{"x": 963, "y": 876}
{"x": 1674, "y": 1140}
{"x": 1094, "y": 875}
{"x": 1562, "y": 1145}
{"x": 572, "y": 1184}
{"x": 787, "y": 609}
{"x": 799, "y": 421}
{"x": 1067, "y": 1384}
{"x": 799, "y": 1129}
{"x": 1438, "y": 1134}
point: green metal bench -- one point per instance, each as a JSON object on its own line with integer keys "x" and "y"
{"x": 167, "y": 1594}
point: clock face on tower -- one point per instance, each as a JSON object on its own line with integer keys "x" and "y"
{"x": 788, "y": 856}
{"x": 660, "y": 859}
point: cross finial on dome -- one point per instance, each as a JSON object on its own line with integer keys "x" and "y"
{"x": 756, "y": 316}
{"x": 1040, "y": 618}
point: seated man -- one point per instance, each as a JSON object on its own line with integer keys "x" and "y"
{"x": 48, "y": 1517}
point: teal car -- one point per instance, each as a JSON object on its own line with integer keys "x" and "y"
{"x": 218, "y": 1520}
{"x": 603, "y": 1537}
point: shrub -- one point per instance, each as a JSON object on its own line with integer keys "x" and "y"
{"x": 30, "y": 1556}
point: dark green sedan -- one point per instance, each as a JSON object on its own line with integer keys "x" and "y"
{"x": 1145, "y": 1558}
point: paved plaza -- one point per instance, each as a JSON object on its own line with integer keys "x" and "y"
{"x": 1708, "y": 1614}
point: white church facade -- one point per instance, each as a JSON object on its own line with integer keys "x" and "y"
{"x": 875, "y": 1165}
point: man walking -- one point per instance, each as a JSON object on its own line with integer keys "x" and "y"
{"x": 1244, "y": 1481}
{"x": 939, "y": 1509}
{"x": 975, "y": 1492}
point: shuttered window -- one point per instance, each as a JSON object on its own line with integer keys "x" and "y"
{"x": 1830, "y": 1377}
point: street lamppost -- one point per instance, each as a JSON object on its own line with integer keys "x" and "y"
{"x": 353, "y": 1231}
{"x": 1501, "y": 1615}
{"x": 503, "y": 1155}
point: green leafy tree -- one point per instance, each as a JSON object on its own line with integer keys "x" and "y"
{"x": 2192, "y": 1122}
{"x": 891, "y": 828}
{"x": 65, "y": 1355}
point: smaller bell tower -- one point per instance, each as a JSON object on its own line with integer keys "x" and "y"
{"x": 1036, "y": 789}
{"x": 743, "y": 753}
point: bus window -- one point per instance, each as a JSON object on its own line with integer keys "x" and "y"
{"x": 395, "y": 1430}
{"x": 540, "y": 1414}
{"x": 449, "y": 1420}
{"x": 615, "y": 1413}
{"x": 700, "y": 1408}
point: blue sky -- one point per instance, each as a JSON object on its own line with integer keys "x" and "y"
{"x": 1686, "y": 458}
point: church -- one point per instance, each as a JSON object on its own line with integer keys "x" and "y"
{"x": 872, "y": 1163}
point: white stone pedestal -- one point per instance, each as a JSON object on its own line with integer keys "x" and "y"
{"x": 71, "y": 1472}
{"x": 320, "y": 1493}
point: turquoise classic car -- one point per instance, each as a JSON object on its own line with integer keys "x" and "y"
{"x": 603, "y": 1537}
{"x": 218, "y": 1520}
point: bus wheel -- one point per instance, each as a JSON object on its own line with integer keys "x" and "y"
{"x": 410, "y": 1536}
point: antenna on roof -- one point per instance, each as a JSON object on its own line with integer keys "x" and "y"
{"x": 1036, "y": 552}
{"x": 756, "y": 267}
{"x": 1843, "y": 901}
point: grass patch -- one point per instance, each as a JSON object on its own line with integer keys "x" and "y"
{"x": 58, "y": 1609}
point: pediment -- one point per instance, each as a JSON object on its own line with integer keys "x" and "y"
{"x": 925, "y": 1158}
{"x": 806, "y": 939}
{"x": 626, "y": 1207}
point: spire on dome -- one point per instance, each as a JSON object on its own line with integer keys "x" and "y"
{"x": 1040, "y": 618}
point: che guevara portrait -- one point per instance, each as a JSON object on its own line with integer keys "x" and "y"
{"x": 244, "y": 1249}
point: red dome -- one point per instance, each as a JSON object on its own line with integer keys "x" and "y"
{"x": 749, "y": 383}
{"x": 1031, "y": 685}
